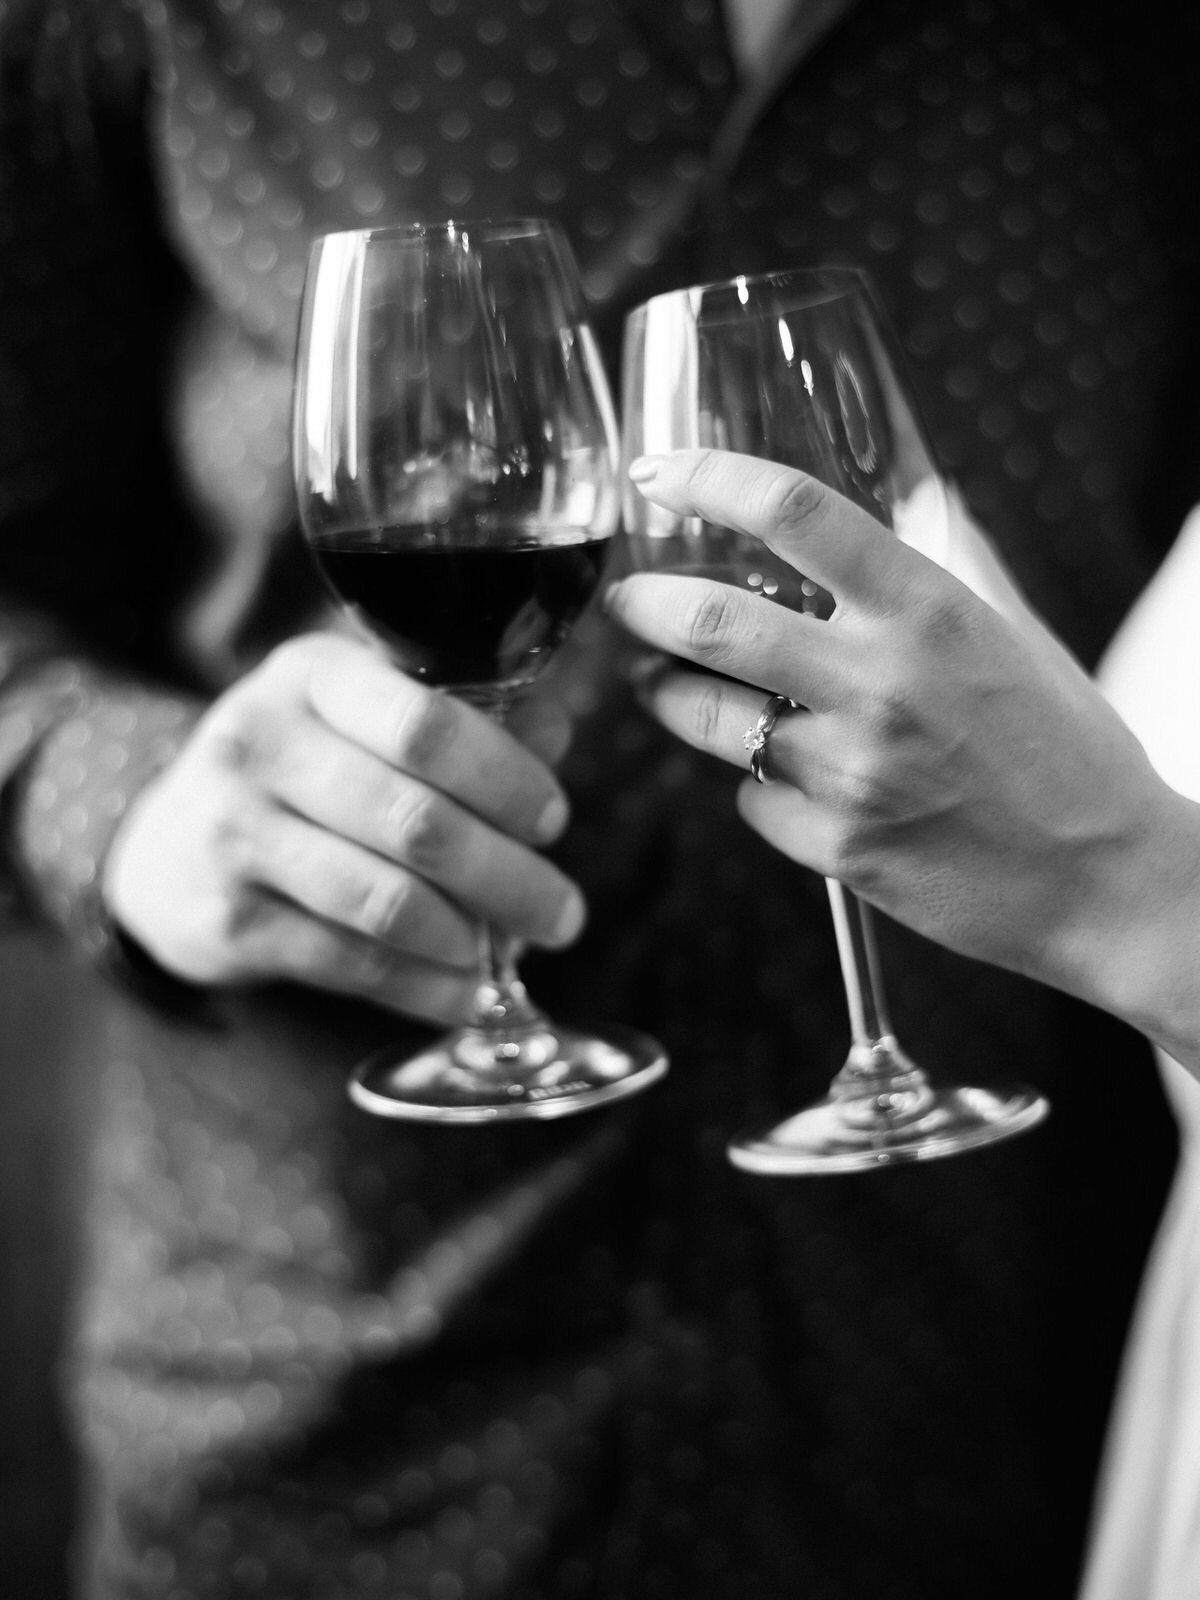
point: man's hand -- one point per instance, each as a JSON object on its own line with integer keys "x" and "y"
{"x": 333, "y": 822}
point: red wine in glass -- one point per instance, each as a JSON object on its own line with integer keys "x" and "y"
{"x": 465, "y": 615}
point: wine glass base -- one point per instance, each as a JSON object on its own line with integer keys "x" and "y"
{"x": 575, "y": 1072}
{"x": 823, "y": 1139}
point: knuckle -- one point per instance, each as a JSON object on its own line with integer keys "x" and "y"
{"x": 232, "y": 838}
{"x": 299, "y": 950}
{"x": 862, "y": 801}
{"x": 708, "y": 622}
{"x": 431, "y": 996}
{"x": 382, "y": 905}
{"x": 230, "y": 920}
{"x": 301, "y": 947}
{"x": 706, "y": 714}
{"x": 421, "y": 726}
{"x": 318, "y": 666}
{"x": 895, "y": 716}
{"x": 943, "y": 620}
{"x": 704, "y": 470}
{"x": 367, "y": 968}
{"x": 228, "y": 734}
{"x": 296, "y": 659}
{"x": 793, "y": 499}
{"x": 419, "y": 826}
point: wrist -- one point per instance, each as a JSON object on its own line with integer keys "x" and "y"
{"x": 87, "y": 773}
{"x": 1136, "y": 950}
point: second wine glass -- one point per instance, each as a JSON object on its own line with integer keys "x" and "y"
{"x": 455, "y": 461}
{"x": 797, "y": 367}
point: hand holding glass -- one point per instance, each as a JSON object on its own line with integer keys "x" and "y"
{"x": 797, "y": 367}
{"x": 455, "y": 465}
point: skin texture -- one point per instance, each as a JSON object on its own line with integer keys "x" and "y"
{"x": 332, "y": 822}
{"x": 953, "y": 765}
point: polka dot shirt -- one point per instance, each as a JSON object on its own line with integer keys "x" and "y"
{"x": 320, "y": 1356}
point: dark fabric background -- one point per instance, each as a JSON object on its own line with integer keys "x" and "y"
{"x": 872, "y": 1331}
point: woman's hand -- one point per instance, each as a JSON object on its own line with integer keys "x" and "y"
{"x": 332, "y": 822}
{"x": 955, "y": 767}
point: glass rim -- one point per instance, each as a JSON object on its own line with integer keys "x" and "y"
{"x": 496, "y": 229}
{"x": 827, "y": 282}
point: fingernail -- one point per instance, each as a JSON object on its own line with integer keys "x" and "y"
{"x": 553, "y": 819}
{"x": 644, "y": 468}
{"x": 570, "y": 921}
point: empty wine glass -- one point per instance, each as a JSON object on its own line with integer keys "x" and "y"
{"x": 456, "y": 473}
{"x": 798, "y": 367}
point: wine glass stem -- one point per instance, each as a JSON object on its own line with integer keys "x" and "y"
{"x": 501, "y": 1005}
{"x": 873, "y": 1043}
{"x": 878, "y": 1087}
{"x": 504, "y": 1018}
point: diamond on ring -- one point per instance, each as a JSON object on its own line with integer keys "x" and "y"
{"x": 755, "y": 738}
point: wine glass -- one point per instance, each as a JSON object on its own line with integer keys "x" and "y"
{"x": 799, "y": 367}
{"x": 455, "y": 461}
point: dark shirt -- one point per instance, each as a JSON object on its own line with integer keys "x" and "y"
{"x": 321, "y": 1356}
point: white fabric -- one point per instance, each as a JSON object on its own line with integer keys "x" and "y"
{"x": 1146, "y": 1525}
{"x": 754, "y": 26}
{"x": 934, "y": 520}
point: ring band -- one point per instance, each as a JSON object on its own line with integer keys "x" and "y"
{"x": 755, "y": 738}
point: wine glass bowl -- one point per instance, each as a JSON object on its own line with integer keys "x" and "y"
{"x": 800, "y": 367}
{"x": 455, "y": 461}
{"x": 452, "y": 411}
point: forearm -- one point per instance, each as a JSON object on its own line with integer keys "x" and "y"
{"x": 93, "y": 547}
